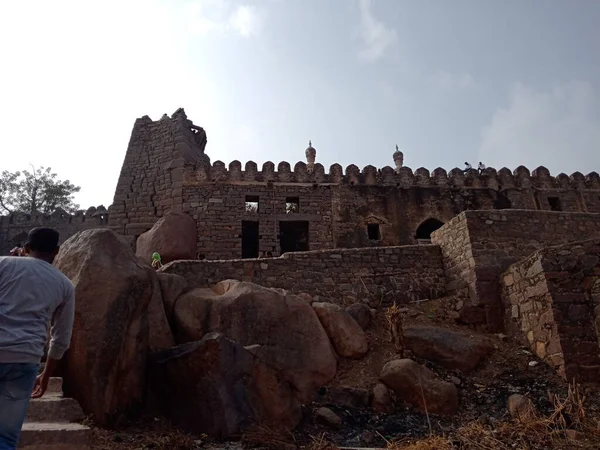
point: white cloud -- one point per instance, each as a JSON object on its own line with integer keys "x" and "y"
{"x": 447, "y": 81}
{"x": 376, "y": 36}
{"x": 247, "y": 20}
{"x": 559, "y": 128}
{"x": 220, "y": 16}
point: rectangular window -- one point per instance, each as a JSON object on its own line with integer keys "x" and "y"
{"x": 373, "y": 232}
{"x": 554, "y": 203}
{"x": 292, "y": 205}
{"x": 252, "y": 203}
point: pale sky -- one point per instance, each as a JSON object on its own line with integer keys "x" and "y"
{"x": 506, "y": 82}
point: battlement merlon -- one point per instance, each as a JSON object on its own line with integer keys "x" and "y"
{"x": 190, "y": 141}
{"x": 97, "y": 215}
{"x": 521, "y": 177}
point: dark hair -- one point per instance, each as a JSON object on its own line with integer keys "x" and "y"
{"x": 43, "y": 240}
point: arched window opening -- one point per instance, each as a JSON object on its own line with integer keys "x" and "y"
{"x": 426, "y": 228}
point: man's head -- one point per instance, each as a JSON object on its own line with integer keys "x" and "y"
{"x": 42, "y": 243}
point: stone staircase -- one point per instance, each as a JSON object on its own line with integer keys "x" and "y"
{"x": 51, "y": 422}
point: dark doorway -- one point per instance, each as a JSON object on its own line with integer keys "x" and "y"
{"x": 293, "y": 236}
{"x": 427, "y": 227}
{"x": 250, "y": 239}
{"x": 554, "y": 203}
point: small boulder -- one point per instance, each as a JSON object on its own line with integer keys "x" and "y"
{"x": 215, "y": 386}
{"x": 348, "y": 338}
{"x": 520, "y": 407}
{"x": 347, "y": 396}
{"x": 420, "y": 387}
{"x": 361, "y": 313}
{"x": 327, "y": 418}
{"x": 447, "y": 348}
{"x": 173, "y": 237}
{"x": 382, "y": 401}
{"x": 306, "y": 297}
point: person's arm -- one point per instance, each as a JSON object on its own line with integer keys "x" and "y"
{"x": 60, "y": 339}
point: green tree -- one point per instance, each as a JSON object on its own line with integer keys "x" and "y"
{"x": 38, "y": 191}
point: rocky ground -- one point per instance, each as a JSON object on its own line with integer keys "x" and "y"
{"x": 482, "y": 420}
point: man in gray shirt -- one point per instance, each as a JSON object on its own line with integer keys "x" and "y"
{"x": 33, "y": 294}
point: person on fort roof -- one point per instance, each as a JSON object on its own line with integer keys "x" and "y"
{"x": 481, "y": 167}
{"x": 33, "y": 295}
{"x": 467, "y": 167}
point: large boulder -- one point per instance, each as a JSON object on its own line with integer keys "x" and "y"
{"x": 347, "y": 336}
{"x": 172, "y": 286}
{"x": 420, "y": 387}
{"x": 173, "y": 237}
{"x": 215, "y": 386}
{"x": 119, "y": 317}
{"x": 282, "y": 329}
{"x": 447, "y": 348}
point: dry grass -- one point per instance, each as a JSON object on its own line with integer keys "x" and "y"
{"x": 147, "y": 433}
{"x": 431, "y": 443}
{"x": 393, "y": 315}
{"x": 269, "y": 438}
{"x": 321, "y": 443}
{"x": 530, "y": 432}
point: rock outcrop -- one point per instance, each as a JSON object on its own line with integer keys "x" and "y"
{"x": 447, "y": 348}
{"x": 173, "y": 237}
{"x": 215, "y": 386}
{"x": 420, "y": 387}
{"x": 117, "y": 302}
{"x": 283, "y": 329}
{"x": 347, "y": 336}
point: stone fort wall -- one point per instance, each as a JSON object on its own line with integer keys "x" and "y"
{"x": 552, "y": 301}
{"x": 166, "y": 169}
{"x": 477, "y": 246}
{"x": 374, "y": 275}
{"x": 14, "y": 227}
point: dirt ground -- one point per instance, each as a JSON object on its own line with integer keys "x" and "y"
{"x": 482, "y": 418}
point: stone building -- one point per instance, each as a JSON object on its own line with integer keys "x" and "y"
{"x": 514, "y": 251}
{"x": 242, "y": 211}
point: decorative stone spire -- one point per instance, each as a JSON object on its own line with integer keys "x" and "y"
{"x": 398, "y": 159}
{"x": 311, "y": 154}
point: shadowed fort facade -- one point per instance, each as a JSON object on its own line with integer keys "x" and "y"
{"x": 241, "y": 211}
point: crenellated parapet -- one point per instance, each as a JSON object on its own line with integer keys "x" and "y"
{"x": 96, "y": 215}
{"x": 490, "y": 178}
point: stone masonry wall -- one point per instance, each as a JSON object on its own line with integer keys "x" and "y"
{"x": 166, "y": 169}
{"x": 497, "y": 239}
{"x": 388, "y": 274}
{"x": 14, "y": 227}
{"x": 151, "y": 179}
{"x": 551, "y": 303}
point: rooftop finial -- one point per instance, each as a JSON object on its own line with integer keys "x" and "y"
{"x": 398, "y": 159}
{"x": 311, "y": 154}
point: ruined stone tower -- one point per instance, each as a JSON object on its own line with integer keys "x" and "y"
{"x": 151, "y": 179}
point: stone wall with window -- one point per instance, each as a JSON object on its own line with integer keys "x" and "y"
{"x": 166, "y": 169}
